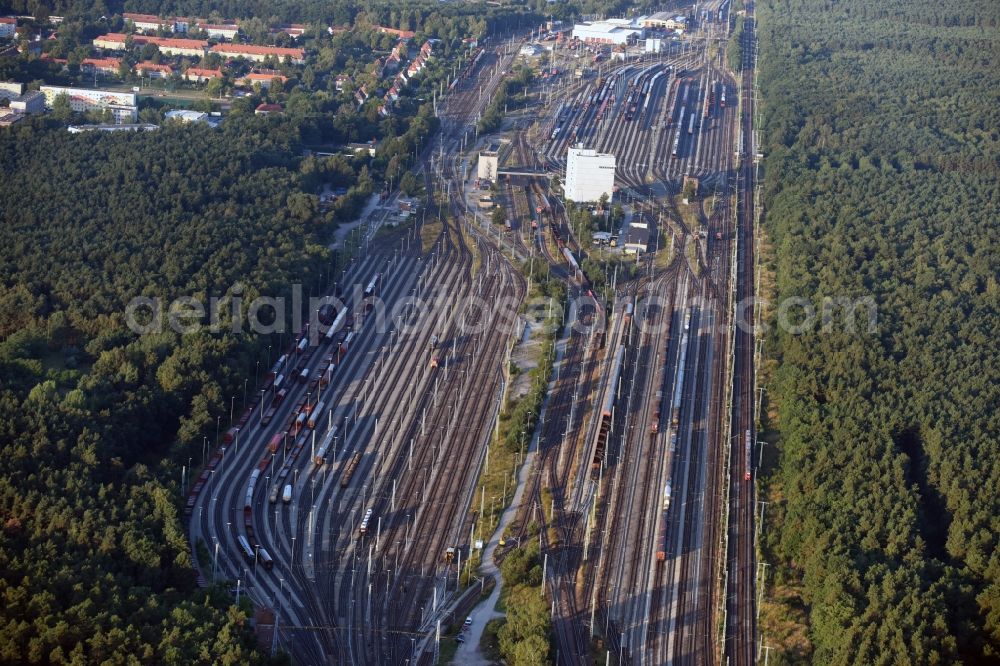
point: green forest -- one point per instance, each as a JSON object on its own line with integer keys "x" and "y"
{"x": 98, "y": 421}
{"x": 881, "y": 134}
{"x": 419, "y": 15}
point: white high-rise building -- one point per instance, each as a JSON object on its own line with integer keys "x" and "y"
{"x": 589, "y": 174}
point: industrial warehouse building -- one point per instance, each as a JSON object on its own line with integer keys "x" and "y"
{"x": 636, "y": 238}
{"x": 666, "y": 21}
{"x": 589, "y": 174}
{"x": 610, "y": 31}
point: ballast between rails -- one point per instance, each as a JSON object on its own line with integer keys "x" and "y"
{"x": 464, "y": 74}
{"x": 663, "y": 538}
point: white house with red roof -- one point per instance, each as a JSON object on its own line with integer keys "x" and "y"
{"x": 153, "y": 70}
{"x": 201, "y": 74}
{"x": 260, "y": 53}
{"x": 220, "y": 30}
{"x": 148, "y": 22}
{"x": 264, "y": 79}
{"x": 100, "y": 65}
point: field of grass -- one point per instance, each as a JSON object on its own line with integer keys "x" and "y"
{"x": 429, "y": 234}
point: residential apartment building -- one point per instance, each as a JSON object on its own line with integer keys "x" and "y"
{"x": 201, "y": 75}
{"x": 105, "y": 66}
{"x": 262, "y": 78}
{"x": 259, "y": 53}
{"x": 115, "y": 41}
{"x": 122, "y": 105}
{"x": 220, "y": 30}
{"x": 148, "y": 22}
{"x": 8, "y": 26}
{"x": 154, "y": 71}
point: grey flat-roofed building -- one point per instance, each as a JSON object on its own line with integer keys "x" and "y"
{"x": 30, "y": 102}
{"x": 636, "y": 238}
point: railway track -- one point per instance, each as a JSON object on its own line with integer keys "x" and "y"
{"x": 384, "y": 581}
{"x": 381, "y": 495}
{"x": 444, "y": 506}
{"x": 741, "y": 592}
{"x": 312, "y": 535}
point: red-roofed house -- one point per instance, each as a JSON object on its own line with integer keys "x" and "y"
{"x": 291, "y": 29}
{"x": 101, "y": 65}
{"x": 8, "y": 26}
{"x": 200, "y": 75}
{"x": 426, "y": 49}
{"x": 263, "y": 78}
{"x": 395, "y": 58}
{"x": 259, "y": 53}
{"x": 386, "y": 104}
{"x": 267, "y": 109}
{"x": 148, "y": 22}
{"x": 153, "y": 71}
{"x": 416, "y": 66}
{"x": 402, "y": 34}
{"x": 59, "y": 61}
{"x": 224, "y": 30}
{"x": 115, "y": 41}
{"x": 361, "y": 95}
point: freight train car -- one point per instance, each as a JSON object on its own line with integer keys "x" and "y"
{"x": 245, "y": 547}
{"x": 319, "y": 456}
{"x": 675, "y": 407}
{"x": 349, "y": 469}
{"x": 607, "y": 413}
{"x": 748, "y": 447}
{"x": 363, "y": 528}
{"x": 574, "y": 267}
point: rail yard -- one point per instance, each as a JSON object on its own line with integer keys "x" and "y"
{"x": 345, "y": 497}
